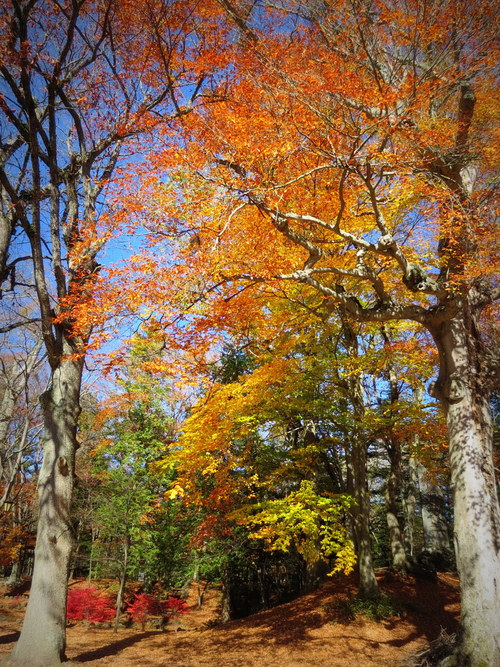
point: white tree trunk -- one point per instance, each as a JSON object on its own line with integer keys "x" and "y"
{"x": 477, "y": 516}
{"x": 43, "y": 637}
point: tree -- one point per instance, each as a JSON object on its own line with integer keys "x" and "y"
{"x": 130, "y": 508}
{"x": 364, "y": 177}
{"x": 135, "y": 531}
{"x": 254, "y": 451}
{"x": 81, "y": 82}
{"x": 405, "y": 427}
{"x": 20, "y": 425}
{"x": 18, "y": 415}
{"x": 126, "y": 495}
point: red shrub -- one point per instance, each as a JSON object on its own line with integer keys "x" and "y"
{"x": 90, "y": 604}
{"x": 175, "y": 606}
{"x": 143, "y": 606}
{"x": 146, "y": 605}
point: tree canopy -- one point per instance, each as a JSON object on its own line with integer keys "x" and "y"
{"x": 309, "y": 195}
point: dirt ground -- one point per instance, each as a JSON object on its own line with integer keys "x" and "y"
{"x": 309, "y": 631}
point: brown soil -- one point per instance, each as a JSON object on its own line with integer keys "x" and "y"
{"x": 313, "y": 630}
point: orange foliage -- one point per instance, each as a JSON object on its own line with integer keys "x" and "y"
{"x": 323, "y": 164}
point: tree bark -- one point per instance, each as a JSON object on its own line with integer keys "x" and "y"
{"x": 410, "y": 505}
{"x": 436, "y": 539}
{"x": 226, "y": 607}
{"x": 75, "y": 553}
{"x": 6, "y": 229}
{"x": 91, "y": 555}
{"x": 399, "y": 557}
{"x": 123, "y": 579}
{"x": 17, "y": 569}
{"x": 368, "y": 586}
{"x": 43, "y": 636}
{"x": 16, "y": 382}
{"x": 462, "y": 390}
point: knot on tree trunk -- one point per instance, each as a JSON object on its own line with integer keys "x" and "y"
{"x": 62, "y": 465}
{"x": 46, "y": 401}
{"x": 415, "y": 278}
{"x": 456, "y": 388}
{"x": 451, "y": 391}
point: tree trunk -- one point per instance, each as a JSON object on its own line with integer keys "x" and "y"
{"x": 123, "y": 579}
{"x": 16, "y": 382}
{"x": 410, "y": 505}
{"x": 261, "y": 571}
{"x": 477, "y": 517}
{"x": 226, "y": 607}
{"x": 436, "y": 539}
{"x": 399, "y": 558}
{"x": 91, "y": 555}
{"x": 17, "y": 569}
{"x": 368, "y": 586}
{"x": 43, "y": 636}
{"x": 7, "y": 223}
{"x": 76, "y": 552}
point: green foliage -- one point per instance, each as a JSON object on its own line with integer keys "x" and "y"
{"x": 313, "y": 524}
{"x": 252, "y": 494}
{"x": 233, "y": 363}
{"x": 129, "y": 514}
{"x": 378, "y": 608}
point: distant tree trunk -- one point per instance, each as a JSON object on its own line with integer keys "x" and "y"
{"x": 201, "y": 590}
{"x": 410, "y": 506}
{"x": 75, "y": 553}
{"x": 17, "y": 569}
{"x": 123, "y": 579}
{"x": 261, "y": 570}
{"x": 313, "y": 574}
{"x": 91, "y": 555}
{"x": 226, "y": 610}
{"x": 368, "y": 586}
{"x": 14, "y": 383}
{"x": 43, "y": 636}
{"x": 463, "y": 393}
{"x": 400, "y": 560}
{"x": 196, "y": 579}
{"x": 436, "y": 538}
{"x": 360, "y": 512}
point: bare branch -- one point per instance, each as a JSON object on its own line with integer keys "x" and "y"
{"x": 16, "y": 325}
{"x": 240, "y": 20}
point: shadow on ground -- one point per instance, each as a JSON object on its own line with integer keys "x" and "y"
{"x": 112, "y": 648}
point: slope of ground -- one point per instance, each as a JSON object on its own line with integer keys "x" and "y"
{"x": 313, "y": 630}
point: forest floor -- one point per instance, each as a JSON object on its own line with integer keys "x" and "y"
{"x": 314, "y": 630}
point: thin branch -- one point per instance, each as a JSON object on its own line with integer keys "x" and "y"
{"x": 16, "y": 325}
